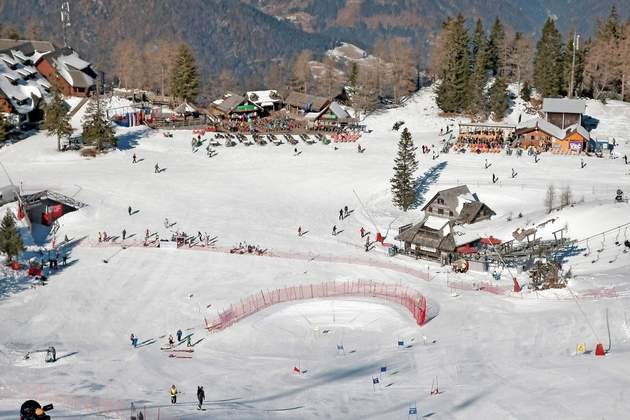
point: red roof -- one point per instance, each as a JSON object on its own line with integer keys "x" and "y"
{"x": 466, "y": 249}
{"x": 490, "y": 241}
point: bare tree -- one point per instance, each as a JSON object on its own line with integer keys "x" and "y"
{"x": 159, "y": 58}
{"x": 520, "y": 58}
{"x": 566, "y": 197}
{"x": 624, "y": 64}
{"x": 128, "y": 64}
{"x": 400, "y": 55}
{"x": 302, "y": 71}
{"x": 364, "y": 97}
{"x": 330, "y": 80}
{"x": 550, "y": 198}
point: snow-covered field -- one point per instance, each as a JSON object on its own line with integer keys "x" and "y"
{"x": 495, "y": 357}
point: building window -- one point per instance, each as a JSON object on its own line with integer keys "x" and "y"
{"x": 430, "y": 209}
{"x": 440, "y": 211}
{"x": 450, "y": 213}
{"x": 440, "y": 201}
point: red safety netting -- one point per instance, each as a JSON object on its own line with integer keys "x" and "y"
{"x": 412, "y": 300}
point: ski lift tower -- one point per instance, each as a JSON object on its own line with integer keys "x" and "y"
{"x": 65, "y": 21}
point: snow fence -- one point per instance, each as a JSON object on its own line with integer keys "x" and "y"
{"x": 410, "y": 299}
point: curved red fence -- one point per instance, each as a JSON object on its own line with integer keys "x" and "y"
{"x": 411, "y": 299}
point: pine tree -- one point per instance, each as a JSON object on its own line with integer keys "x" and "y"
{"x": 97, "y": 129}
{"x": 526, "y": 91}
{"x": 548, "y": 61}
{"x": 496, "y": 47}
{"x": 354, "y": 75}
{"x": 3, "y": 128}
{"x": 185, "y": 82}
{"x": 477, "y": 103}
{"x": 453, "y": 90}
{"x": 57, "y": 120}
{"x": 405, "y": 164}
{"x": 10, "y": 239}
{"x": 499, "y": 98}
{"x": 478, "y": 42}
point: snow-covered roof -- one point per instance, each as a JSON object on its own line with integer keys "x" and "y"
{"x": 264, "y": 97}
{"x": 540, "y": 124}
{"x": 435, "y": 223}
{"x": 72, "y": 68}
{"x": 339, "y": 111}
{"x": 184, "y": 108}
{"x": 20, "y": 83}
{"x": 564, "y": 105}
{"x": 580, "y": 130}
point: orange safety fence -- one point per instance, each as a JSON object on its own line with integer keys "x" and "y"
{"x": 410, "y": 299}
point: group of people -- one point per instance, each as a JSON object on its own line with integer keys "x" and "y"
{"x": 481, "y": 140}
{"x": 244, "y": 248}
{"x": 201, "y": 395}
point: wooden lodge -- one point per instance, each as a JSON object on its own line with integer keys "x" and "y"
{"x": 541, "y": 136}
{"x": 300, "y": 102}
{"x": 458, "y": 205}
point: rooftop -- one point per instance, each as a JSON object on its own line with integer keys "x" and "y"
{"x": 564, "y": 105}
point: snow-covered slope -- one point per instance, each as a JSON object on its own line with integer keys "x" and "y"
{"x": 495, "y": 357}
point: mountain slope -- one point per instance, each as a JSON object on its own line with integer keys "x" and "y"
{"x": 223, "y": 34}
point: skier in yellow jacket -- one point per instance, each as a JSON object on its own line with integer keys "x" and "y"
{"x": 173, "y": 392}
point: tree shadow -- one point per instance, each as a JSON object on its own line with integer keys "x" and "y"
{"x": 423, "y": 183}
{"x": 129, "y": 140}
{"x": 134, "y": 212}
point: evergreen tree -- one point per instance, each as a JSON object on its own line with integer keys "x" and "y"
{"x": 453, "y": 91}
{"x": 57, "y": 120}
{"x": 185, "y": 82}
{"x": 405, "y": 164}
{"x": 548, "y": 61}
{"x": 526, "y": 91}
{"x": 496, "y": 47}
{"x": 477, "y": 102}
{"x": 478, "y": 42}
{"x": 354, "y": 75}
{"x": 10, "y": 240}
{"x": 3, "y": 128}
{"x": 499, "y": 98}
{"x": 97, "y": 129}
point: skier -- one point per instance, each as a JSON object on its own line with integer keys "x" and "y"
{"x": 299, "y": 230}
{"x": 157, "y": 168}
{"x": 166, "y": 223}
{"x": 367, "y": 243}
{"x": 173, "y": 392}
{"x": 129, "y": 210}
{"x": 625, "y": 159}
{"x": 99, "y": 237}
{"x": 362, "y": 232}
{"x": 345, "y": 211}
{"x": 200, "y": 396}
{"x": 134, "y": 340}
{"x": 124, "y": 234}
{"x": 179, "y": 335}
{"x": 188, "y": 341}
{"x": 334, "y": 232}
{"x": 170, "y": 340}
{"x": 494, "y": 179}
{"x": 134, "y": 158}
{"x": 65, "y": 259}
{"x": 340, "y": 214}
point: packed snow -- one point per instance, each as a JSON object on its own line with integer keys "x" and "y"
{"x": 495, "y": 356}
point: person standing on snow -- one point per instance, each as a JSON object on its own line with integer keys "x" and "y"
{"x": 124, "y": 234}
{"x": 157, "y": 168}
{"x": 170, "y": 340}
{"x": 340, "y": 214}
{"x": 134, "y": 159}
{"x": 129, "y": 210}
{"x": 201, "y": 395}
{"x": 173, "y": 392}
{"x": 334, "y": 230}
{"x": 134, "y": 340}
{"x": 188, "y": 341}
{"x": 362, "y": 231}
{"x": 179, "y": 335}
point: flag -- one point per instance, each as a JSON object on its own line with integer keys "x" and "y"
{"x": 413, "y": 410}
{"x": 296, "y": 370}
{"x": 375, "y": 381}
{"x": 383, "y": 369}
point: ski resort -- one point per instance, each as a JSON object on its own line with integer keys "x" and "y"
{"x": 358, "y": 238}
